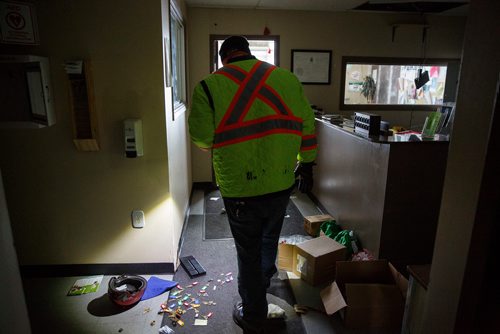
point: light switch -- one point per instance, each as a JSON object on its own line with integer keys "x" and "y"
{"x": 138, "y": 220}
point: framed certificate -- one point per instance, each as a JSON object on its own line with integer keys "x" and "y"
{"x": 312, "y": 66}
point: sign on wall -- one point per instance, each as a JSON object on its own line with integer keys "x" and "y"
{"x": 18, "y": 23}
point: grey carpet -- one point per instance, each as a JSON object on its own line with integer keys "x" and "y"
{"x": 216, "y": 225}
{"x": 218, "y": 257}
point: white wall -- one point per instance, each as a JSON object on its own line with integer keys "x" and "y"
{"x": 179, "y": 164}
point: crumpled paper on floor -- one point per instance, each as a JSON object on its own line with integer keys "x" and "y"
{"x": 275, "y": 312}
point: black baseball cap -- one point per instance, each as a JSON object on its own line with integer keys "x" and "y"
{"x": 233, "y": 43}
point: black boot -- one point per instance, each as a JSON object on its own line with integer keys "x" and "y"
{"x": 249, "y": 326}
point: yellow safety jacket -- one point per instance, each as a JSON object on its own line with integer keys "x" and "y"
{"x": 258, "y": 123}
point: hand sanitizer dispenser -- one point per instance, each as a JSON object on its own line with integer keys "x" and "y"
{"x": 133, "y": 138}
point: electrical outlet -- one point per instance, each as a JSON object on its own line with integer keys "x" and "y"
{"x": 138, "y": 220}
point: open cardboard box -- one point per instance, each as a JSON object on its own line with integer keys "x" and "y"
{"x": 369, "y": 294}
{"x": 312, "y": 260}
{"x": 287, "y": 255}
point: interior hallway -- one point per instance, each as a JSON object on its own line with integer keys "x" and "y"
{"x": 52, "y": 311}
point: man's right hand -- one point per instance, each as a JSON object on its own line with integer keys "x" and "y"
{"x": 304, "y": 176}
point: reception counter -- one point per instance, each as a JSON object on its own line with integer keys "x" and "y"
{"x": 387, "y": 191}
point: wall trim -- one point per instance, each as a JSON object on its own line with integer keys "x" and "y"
{"x": 63, "y": 270}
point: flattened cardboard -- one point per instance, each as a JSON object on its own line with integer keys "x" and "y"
{"x": 316, "y": 258}
{"x": 369, "y": 293}
{"x": 332, "y": 298}
{"x": 312, "y": 224}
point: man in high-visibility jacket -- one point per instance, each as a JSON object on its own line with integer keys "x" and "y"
{"x": 258, "y": 124}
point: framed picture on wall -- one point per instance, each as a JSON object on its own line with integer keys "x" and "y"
{"x": 312, "y": 67}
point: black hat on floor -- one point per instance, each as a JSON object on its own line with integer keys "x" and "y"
{"x": 233, "y": 43}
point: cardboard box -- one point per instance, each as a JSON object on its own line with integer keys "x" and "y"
{"x": 287, "y": 255}
{"x": 369, "y": 294}
{"x": 315, "y": 259}
{"x": 312, "y": 224}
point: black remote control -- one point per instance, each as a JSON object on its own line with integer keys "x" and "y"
{"x": 192, "y": 266}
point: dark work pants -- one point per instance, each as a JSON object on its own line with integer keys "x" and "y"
{"x": 256, "y": 225}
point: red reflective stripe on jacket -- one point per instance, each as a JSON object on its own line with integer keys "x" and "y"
{"x": 309, "y": 142}
{"x": 252, "y": 129}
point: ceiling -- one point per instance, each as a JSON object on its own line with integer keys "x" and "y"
{"x": 415, "y": 6}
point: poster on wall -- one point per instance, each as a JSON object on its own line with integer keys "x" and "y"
{"x": 18, "y": 23}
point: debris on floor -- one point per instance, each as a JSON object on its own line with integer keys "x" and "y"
{"x": 165, "y": 330}
{"x": 193, "y": 298}
{"x": 303, "y": 309}
{"x": 363, "y": 255}
{"x": 275, "y": 312}
{"x": 200, "y": 322}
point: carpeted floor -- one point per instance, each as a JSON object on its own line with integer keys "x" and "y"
{"x": 218, "y": 257}
{"x": 216, "y": 225}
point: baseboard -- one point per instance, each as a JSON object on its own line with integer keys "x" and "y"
{"x": 64, "y": 270}
{"x": 195, "y": 186}
{"x": 184, "y": 224}
{"x": 203, "y": 185}
{"x": 318, "y": 204}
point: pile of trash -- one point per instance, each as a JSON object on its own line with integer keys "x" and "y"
{"x": 355, "y": 252}
{"x": 192, "y": 298}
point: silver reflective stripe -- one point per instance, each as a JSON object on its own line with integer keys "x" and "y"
{"x": 261, "y": 127}
{"x": 246, "y": 94}
{"x": 240, "y": 76}
{"x": 264, "y": 91}
{"x": 309, "y": 142}
{"x": 231, "y": 131}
